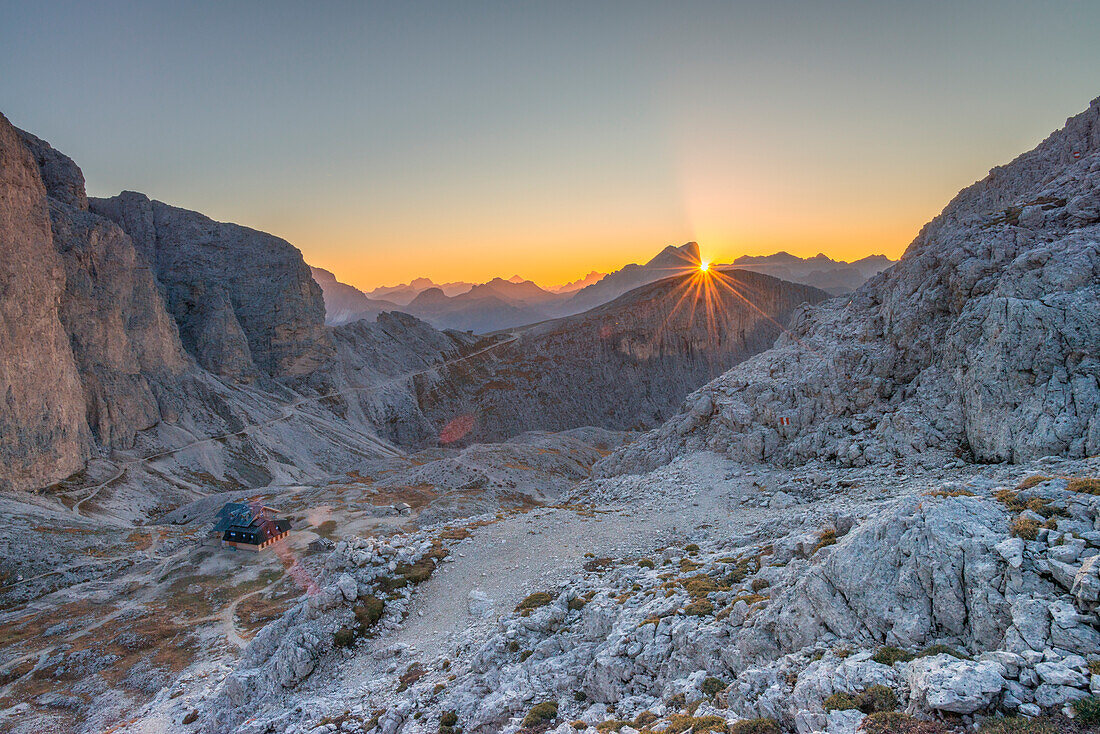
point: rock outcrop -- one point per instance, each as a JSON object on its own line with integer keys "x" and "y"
{"x": 122, "y": 339}
{"x": 45, "y": 437}
{"x": 244, "y": 300}
{"x": 982, "y": 341}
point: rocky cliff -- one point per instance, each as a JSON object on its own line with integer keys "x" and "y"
{"x": 112, "y": 340}
{"x": 45, "y": 436}
{"x": 982, "y": 341}
{"x": 244, "y": 300}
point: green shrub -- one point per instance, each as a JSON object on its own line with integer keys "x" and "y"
{"x": 344, "y": 637}
{"x": 645, "y": 563}
{"x": 839, "y": 702}
{"x": 876, "y": 698}
{"x": 691, "y": 548}
{"x": 760, "y": 584}
{"x": 1087, "y": 710}
{"x": 576, "y": 603}
{"x": 541, "y": 713}
{"x": 1094, "y": 667}
{"x": 449, "y": 718}
{"x": 711, "y": 686}
{"x": 646, "y": 717}
{"x": 888, "y": 655}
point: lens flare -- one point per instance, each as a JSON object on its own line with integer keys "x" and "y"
{"x": 704, "y": 267}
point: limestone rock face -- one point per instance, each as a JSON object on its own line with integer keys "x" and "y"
{"x": 63, "y": 179}
{"x": 122, "y": 338}
{"x": 223, "y": 282}
{"x": 922, "y": 572}
{"x": 42, "y": 423}
{"x": 981, "y": 341}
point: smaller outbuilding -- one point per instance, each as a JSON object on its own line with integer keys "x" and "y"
{"x": 251, "y": 526}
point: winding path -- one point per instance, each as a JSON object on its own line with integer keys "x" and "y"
{"x": 288, "y": 410}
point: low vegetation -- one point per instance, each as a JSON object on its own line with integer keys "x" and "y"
{"x": 827, "y": 538}
{"x": 755, "y": 726}
{"x": 1087, "y": 710}
{"x": 888, "y": 654}
{"x": 541, "y": 713}
{"x": 893, "y": 722}
{"x": 711, "y": 686}
{"x": 368, "y": 610}
{"x": 1019, "y": 725}
{"x": 876, "y": 698}
{"x": 1024, "y": 528}
{"x": 1032, "y": 481}
{"x": 1086, "y": 485}
{"x": 534, "y": 601}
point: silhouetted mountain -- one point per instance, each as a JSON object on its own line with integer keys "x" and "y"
{"x": 833, "y": 276}
{"x": 344, "y": 303}
{"x": 577, "y": 284}
{"x": 626, "y": 364}
{"x": 403, "y": 294}
{"x": 669, "y": 261}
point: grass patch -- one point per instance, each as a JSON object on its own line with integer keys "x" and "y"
{"x": 699, "y": 608}
{"x": 827, "y": 538}
{"x": 711, "y": 686}
{"x": 755, "y": 726}
{"x": 1025, "y": 528}
{"x": 944, "y": 493}
{"x": 1033, "y": 480}
{"x": 1019, "y": 725}
{"x": 1087, "y": 710}
{"x": 1085, "y": 485}
{"x": 893, "y": 722}
{"x": 696, "y": 724}
{"x": 534, "y": 601}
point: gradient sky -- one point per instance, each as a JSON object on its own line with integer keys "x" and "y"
{"x": 463, "y": 140}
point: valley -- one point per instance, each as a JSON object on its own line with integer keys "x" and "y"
{"x": 678, "y": 497}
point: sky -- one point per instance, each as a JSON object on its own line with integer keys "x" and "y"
{"x": 467, "y": 140}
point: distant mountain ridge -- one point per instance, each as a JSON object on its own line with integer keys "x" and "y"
{"x": 404, "y": 294}
{"x": 836, "y": 277}
{"x": 623, "y": 365}
{"x": 507, "y": 303}
{"x": 344, "y": 303}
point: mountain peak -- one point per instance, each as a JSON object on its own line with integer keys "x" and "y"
{"x": 677, "y": 258}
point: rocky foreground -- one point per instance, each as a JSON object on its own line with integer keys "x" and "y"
{"x": 827, "y": 600}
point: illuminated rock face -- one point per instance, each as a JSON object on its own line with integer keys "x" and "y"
{"x": 45, "y": 437}
{"x": 244, "y": 300}
{"x": 981, "y": 342}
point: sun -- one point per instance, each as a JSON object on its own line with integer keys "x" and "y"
{"x": 704, "y": 267}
